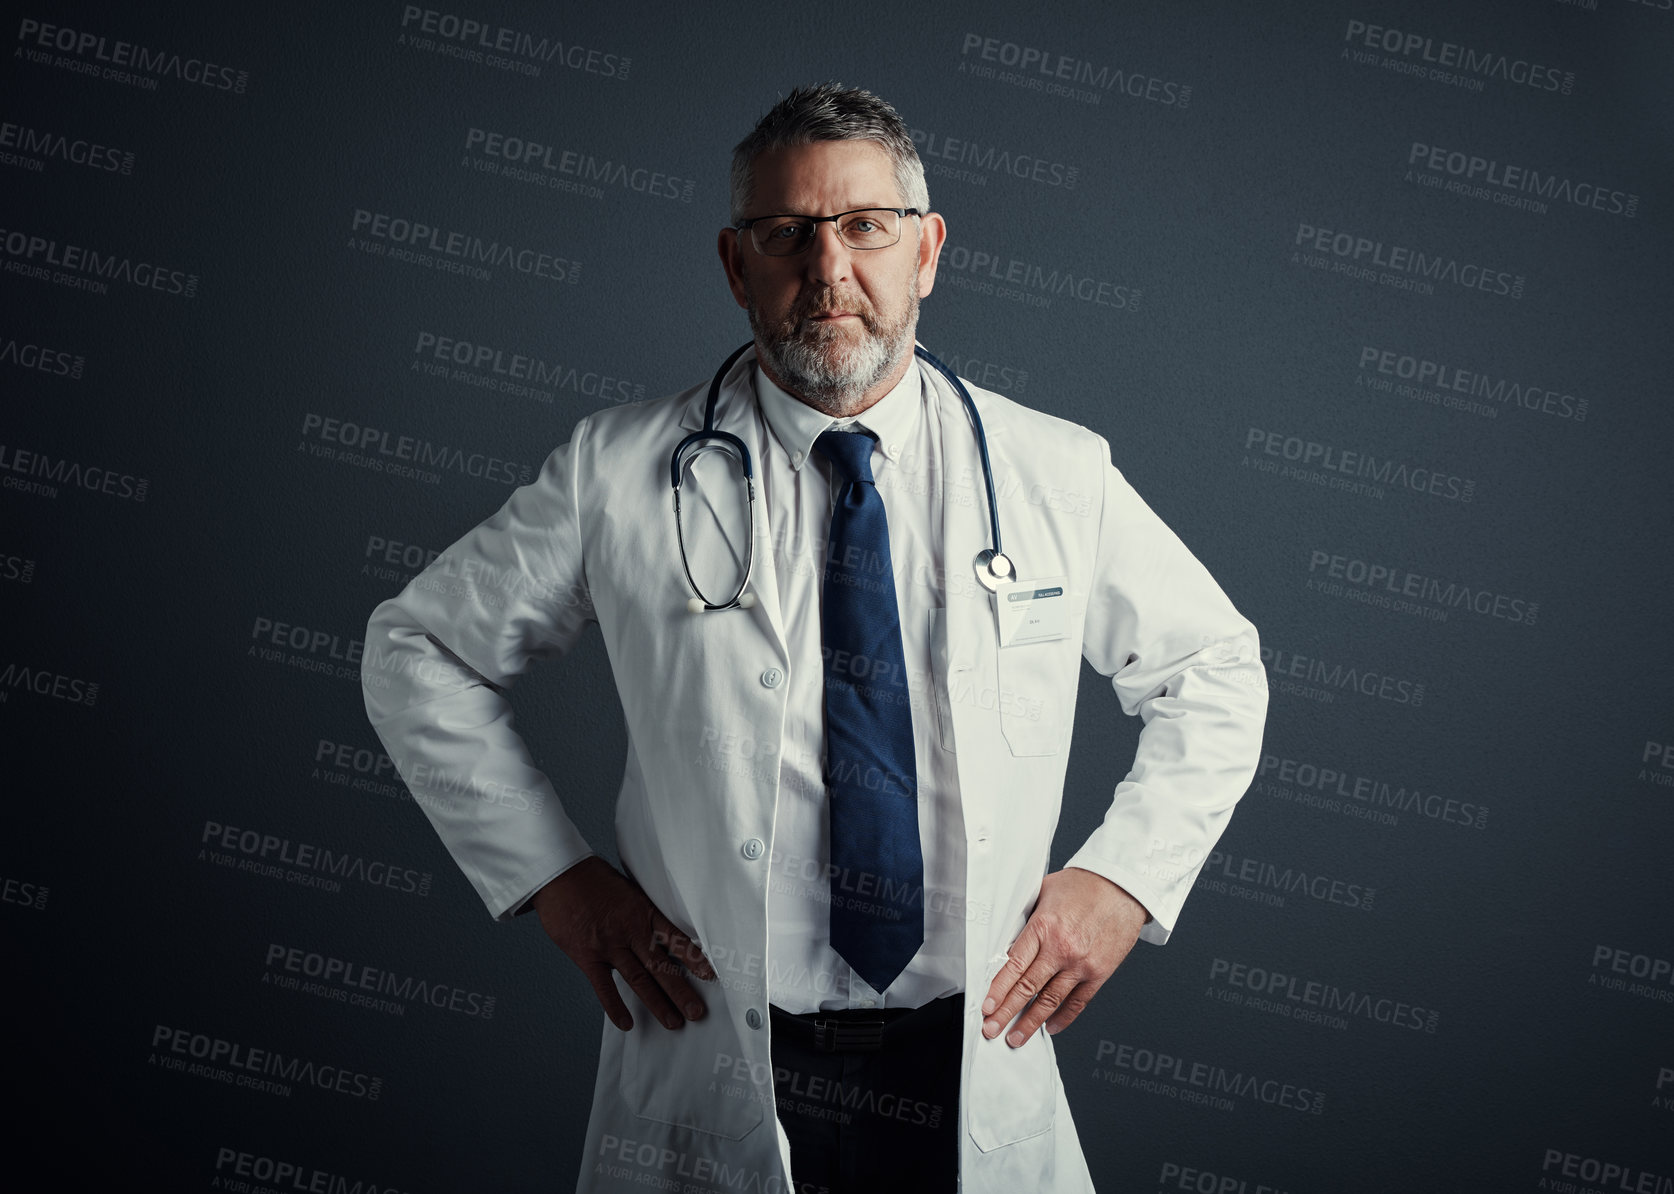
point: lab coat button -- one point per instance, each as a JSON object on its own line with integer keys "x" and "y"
{"x": 771, "y": 677}
{"x": 752, "y": 849}
{"x": 753, "y": 1018}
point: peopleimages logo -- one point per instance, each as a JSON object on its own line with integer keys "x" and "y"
{"x": 1600, "y": 1174}
{"x": 1333, "y": 789}
{"x": 21, "y": 677}
{"x": 1644, "y": 975}
{"x": 347, "y": 765}
{"x": 32, "y": 148}
{"x": 454, "y": 36}
{"x": 1657, "y": 762}
{"x": 61, "y": 470}
{"x": 231, "y": 1163}
{"x": 261, "y": 1069}
{"x": 938, "y": 150}
{"x": 268, "y": 855}
{"x": 17, "y": 568}
{"x": 296, "y": 968}
{"x": 79, "y": 267}
{"x": 993, "y": 375}
{"x": 1205, "y": 1181}
{"x": 1036, "y": 69}
{"x": 1212, "y": 1079}
{"x": 1269, "y": 883}
{"x": 24, "y": 894}
{"x": 1300, "y": 674}
{"x": 570, "y": 169}
{"x": 1393, "y": 365}
{"x": 1383, "y": 583}
{"x": 1424, "y": 55}
{"x": 1311, "y": 1000}
{"x": 54, "y": 362}
{"x": 465, "y": 250}
{"x": 380, "y": 446}
{"x": 490, "y": 367}
{"x": 991, "y": 271}
{"x": 1312, "y": 460}
{"x": 1405, "y": 268}
{"x": 94, "y": 48}
{"x": 1511, "y": 185}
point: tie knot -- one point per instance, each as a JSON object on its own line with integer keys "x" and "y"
{"x": 850, "y": 451}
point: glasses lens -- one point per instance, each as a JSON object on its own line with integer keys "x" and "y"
{"x": 876, "y": 228}
{"x": 782, "y": 235}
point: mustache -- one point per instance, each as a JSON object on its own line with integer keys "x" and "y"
{"x": 828, "y": 303}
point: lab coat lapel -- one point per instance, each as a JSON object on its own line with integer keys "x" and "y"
{"x": 736, "y": 412}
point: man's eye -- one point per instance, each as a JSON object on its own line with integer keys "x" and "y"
{"x": 786, "y": 231}
{"x": 864, "y": 224}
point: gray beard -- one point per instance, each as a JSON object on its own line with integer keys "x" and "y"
{"x": 834, "y": 383}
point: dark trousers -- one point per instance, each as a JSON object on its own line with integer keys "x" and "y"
{"x": 870, "y": 1098}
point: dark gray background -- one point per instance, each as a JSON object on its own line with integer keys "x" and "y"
{"x": 1498, "y": 929}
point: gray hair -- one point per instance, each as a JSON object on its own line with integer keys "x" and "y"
{"x": 829, "y": 112}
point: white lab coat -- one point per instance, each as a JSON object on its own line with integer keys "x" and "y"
{"x": 592, "y": 538}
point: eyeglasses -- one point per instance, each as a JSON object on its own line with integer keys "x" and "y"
{"x": 863, "y": 228}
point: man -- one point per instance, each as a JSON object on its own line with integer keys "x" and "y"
{"x": 841, "y": 789}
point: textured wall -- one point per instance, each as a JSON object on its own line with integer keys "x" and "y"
{"x": 1372, "y": 301}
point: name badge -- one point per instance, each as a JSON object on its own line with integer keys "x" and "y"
{"x": 1030, "y": 611}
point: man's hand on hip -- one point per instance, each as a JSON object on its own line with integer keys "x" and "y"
{"x": 1082, "y": 927}
{"x": 605, "y": 922}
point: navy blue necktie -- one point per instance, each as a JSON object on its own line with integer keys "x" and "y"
{"x": 877, "y": 881}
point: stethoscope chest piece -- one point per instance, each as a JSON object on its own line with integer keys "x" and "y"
{"x": 993, "y": 569}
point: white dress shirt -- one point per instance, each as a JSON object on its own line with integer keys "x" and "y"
{"x": 804, "y": 973}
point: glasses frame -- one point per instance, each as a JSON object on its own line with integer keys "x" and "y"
{"x": 749, "y": 225}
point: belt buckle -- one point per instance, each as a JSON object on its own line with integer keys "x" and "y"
{"x": 848, "y": 1036}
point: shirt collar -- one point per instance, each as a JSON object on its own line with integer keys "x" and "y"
{"x": 796, "y": 425}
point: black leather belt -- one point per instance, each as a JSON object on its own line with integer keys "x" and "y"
{"x": 863, "y": 1030}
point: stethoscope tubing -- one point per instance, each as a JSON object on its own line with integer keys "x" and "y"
{"x": 709, "y": 432}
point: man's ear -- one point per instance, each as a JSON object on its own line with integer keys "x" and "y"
{"x": 732, "y": 260}
{"x": 932, "y": 236}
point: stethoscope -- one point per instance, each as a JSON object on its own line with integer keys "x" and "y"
{"x": 993, "y": 567}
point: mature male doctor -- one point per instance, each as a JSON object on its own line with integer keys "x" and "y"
{"x": 843, "y": 783}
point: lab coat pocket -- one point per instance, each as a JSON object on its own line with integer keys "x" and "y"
{"x": 1034, "y": 681}
{"x": 1014, "y": 1092}
{"x": 669, "y": 1076}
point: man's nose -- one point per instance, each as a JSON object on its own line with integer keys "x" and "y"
{"x": 828, "y": 258}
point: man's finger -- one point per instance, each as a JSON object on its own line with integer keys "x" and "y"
{"x": 645, "y": 986}
{"x": 671, "y": 979}
{"x": 1072, "y": 1006}
{"x": 682, "y": 948}
{"x": 1018, "y": 957}
{"x": 598, "y": 974}
{"x": 1029, "y": 984}
{"x": 695, "y": 959}
{"x": 1051, "y": 998}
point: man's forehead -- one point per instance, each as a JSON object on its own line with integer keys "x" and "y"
{"x": 818, "y": 174}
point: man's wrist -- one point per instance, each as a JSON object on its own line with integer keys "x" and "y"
{"x": 1124, "y": 891}
{"x": 528, "y": 902}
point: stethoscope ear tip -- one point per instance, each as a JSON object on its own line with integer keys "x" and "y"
{"x": 694, "y": 606}
{"x": 746, "y": 601}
